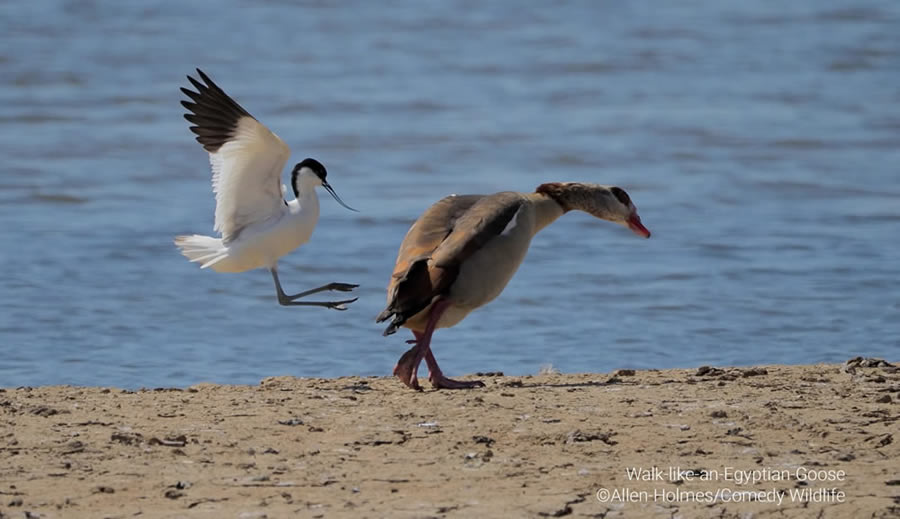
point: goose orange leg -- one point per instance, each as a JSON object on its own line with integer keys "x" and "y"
{"x": 408, "y": 365}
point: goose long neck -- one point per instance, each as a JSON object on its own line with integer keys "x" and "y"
{"x": 546, "y": 210}
{"x": 594, "y": 199}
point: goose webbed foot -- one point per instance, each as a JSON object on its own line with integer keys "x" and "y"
{"x": 439, "y": 381}
{"x": 407, "y": 368}
{"x": 408, "y": 365}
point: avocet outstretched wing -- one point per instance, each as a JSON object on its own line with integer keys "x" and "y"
{"x": 246, "y": 157}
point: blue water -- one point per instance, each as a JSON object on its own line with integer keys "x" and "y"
{"x": 759, "y": 140}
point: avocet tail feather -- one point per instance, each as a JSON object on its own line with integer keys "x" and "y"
{"x": 205, "y": 250}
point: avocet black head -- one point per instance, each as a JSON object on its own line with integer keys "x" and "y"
{"x": 310, "y": 166}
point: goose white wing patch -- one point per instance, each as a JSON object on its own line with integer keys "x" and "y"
{"x": 512, "y": 223}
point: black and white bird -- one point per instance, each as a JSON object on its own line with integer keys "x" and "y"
{"x": 257, "y": 224}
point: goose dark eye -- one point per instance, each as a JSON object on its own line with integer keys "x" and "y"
{"x": 620, "y": 195}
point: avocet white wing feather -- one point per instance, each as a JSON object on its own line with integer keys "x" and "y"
{"x": 246, "y": 158}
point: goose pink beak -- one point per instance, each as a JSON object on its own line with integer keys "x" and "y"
{"x": 634, "y": 223}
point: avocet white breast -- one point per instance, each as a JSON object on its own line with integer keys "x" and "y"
{"x": 257, "y": 225}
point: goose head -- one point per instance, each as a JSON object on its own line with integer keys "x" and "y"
{"x": 610, "y": 203}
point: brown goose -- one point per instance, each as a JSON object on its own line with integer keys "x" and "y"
{"x": 462, "y": 252}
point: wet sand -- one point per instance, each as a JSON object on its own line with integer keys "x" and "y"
{"x": 708, "y": 442}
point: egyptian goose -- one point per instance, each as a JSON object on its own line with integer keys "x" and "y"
{"x": 460, "y": 254}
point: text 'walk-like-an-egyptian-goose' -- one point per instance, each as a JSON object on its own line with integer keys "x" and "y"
{"x": 460, "y": 254}
{"x": 257, "y": 225}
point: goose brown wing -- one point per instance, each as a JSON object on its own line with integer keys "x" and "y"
{"x": 447, "y": 234}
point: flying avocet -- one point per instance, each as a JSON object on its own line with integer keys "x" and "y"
{"x": 257, "y": 224}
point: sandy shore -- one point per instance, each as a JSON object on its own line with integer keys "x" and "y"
{"x": 712, "y": 442}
